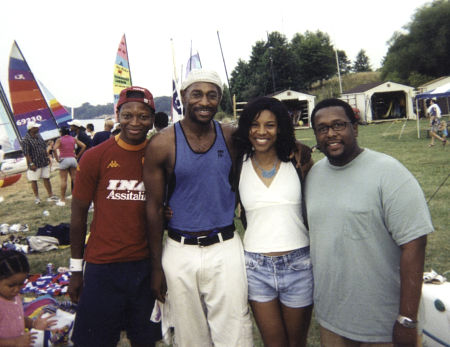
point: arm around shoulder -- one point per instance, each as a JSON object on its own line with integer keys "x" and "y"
{"x": 303, "y": 156}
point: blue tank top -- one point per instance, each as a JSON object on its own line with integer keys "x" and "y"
{"x": 202, "y": 198}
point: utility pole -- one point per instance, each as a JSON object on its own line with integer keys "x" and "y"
{"x": 338, "y": 71}
{"x": 271, "y": 68}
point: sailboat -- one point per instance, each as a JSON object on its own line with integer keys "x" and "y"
{"x": 10, "y": 168}
{"x": 60, "y": 113}
{"x": 9, "y": 136}
{"x": 27, "y": 100}
{"x": 122, "y": 73}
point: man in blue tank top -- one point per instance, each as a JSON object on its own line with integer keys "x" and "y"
{"x": 188, "y": 165}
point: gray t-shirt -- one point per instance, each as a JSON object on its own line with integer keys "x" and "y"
{"x": 358, "y": 216}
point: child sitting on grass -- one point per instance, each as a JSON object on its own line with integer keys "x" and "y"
{"x": 14, "y": 270}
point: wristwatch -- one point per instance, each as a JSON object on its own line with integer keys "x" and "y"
{"x": 406, "y": 322}
{"x": 30, "y": 165}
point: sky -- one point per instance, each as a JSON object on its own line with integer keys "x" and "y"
{"x": 71, "y": 45}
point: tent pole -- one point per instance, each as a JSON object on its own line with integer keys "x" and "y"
{"x": 417, "y": 117}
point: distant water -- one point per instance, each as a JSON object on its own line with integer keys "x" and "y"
{"x": 98, "y": 123}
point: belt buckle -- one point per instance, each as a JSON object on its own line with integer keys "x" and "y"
{"x": 199, "y": 242}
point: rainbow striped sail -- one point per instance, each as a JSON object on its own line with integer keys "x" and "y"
{"x": 8, "y": 134}
{"x": 61, "y": 115}
{"x": 122, "y": 73}
{"x": 27, "y": 100}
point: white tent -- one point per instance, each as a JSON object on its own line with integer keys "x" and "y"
{"x": 381, "y": 100}
{"x": 439, "y": 92}
{"x": 300, "y": 105}
{"x": 442, "y": 91}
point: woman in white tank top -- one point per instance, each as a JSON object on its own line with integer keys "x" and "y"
{"x": 276, "y": 240}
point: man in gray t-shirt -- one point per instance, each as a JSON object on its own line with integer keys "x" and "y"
{"x": 368, "y": 221}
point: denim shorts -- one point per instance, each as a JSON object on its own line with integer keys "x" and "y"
{"x": 67, "y": 163}
{"x": 286, "y": 277}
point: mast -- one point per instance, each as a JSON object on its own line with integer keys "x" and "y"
{"x": 226, "y": 72}
{"x": 128, "y": 60}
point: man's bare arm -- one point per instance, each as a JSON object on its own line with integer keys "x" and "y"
{"x": 78, "y": 230}
{"x": 155, "y": 172}
{"x": 411, "y": 275}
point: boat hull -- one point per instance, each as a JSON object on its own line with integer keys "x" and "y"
{"x": 436, "y": 314}
{"x": 9, "y": 180}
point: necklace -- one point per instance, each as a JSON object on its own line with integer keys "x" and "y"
{"x": 267, "y": 173}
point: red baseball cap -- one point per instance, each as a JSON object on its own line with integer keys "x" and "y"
{"x": 138, "y": 94}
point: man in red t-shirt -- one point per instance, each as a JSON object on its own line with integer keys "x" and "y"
{"x": 113, "y": 293}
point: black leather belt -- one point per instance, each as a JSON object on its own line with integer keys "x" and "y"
{"x": 203, "y": 241}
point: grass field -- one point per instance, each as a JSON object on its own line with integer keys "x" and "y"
{"x": 431, "y": 167}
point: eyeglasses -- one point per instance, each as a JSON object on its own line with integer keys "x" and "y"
{"x": 338, "y": 126}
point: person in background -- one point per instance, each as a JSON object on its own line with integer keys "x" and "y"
{"x": 113, "y": 291}
{"x": 434, "y": 112}
{"x": 90, "y": 130}
{"x": 104, "y": 135}
{"x": 77, "y": 128}
{"x": 38, "y": 161}
{"x": 161, "y": 122}
{"x": 2, "y": 156}
{"x": 443, "y": 129}
{"x": 50, "y": 152}
{"x": 276, "y": 240}
{"x": 203, "y": 259}
{"x": 368, "y": 221}
{"x": 14, "y": 269}
{"x": 65, "y": 155}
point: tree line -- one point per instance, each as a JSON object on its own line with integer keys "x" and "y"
{"x": 416, "y": 55}
{"x": 278, "y": 64}
{"x": 88, "y": 111}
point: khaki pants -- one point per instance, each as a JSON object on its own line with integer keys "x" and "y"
{"x": 207, "y": 288}
{"x": 330, "y": 339}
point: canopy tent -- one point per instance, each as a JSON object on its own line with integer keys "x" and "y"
{"x": 440, "y": 92}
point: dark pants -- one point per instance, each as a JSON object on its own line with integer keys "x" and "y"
{"x": 115, "y": 297}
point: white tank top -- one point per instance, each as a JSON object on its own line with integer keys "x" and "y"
{"x": 274, "y": 219}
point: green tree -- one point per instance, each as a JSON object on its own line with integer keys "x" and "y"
{"x": 314, "y": 56}
{"x": 240, "y": 77}
{"x": 269, "y": 69}
{"x": 277, "y": 64}
{"x": 421, "y": 52}
{"x": 226, "y": 103}
{"x": 361, "y": 63}
{"x": 345, "y": 65}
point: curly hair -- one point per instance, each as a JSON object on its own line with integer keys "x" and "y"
{"x": 285, "y": 143}
{"x": 11, "y": 263}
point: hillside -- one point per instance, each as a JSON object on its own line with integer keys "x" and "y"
{"x": 330, "y": 88}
